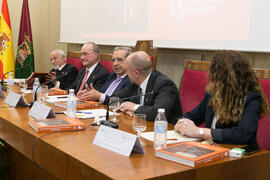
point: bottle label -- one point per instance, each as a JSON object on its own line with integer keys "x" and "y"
{"x": 71, "y": 103}
{"x": 161, "y": 127}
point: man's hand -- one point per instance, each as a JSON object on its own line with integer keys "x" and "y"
{"x": 127, "y": 107}
{"x": 51, "y": 77}
{"x": 89, "y": 94}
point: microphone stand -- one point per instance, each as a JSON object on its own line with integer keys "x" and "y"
{"x": 35, "y": 93}
{"x": 2, "y": 78}
{"x": 112, "y": 124}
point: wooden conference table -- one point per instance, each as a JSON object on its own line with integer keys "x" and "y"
{"x": 71, "y": 155}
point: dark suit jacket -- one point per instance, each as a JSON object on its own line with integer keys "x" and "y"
{"x": 166, "y": 95}
{"x": 124, "y": 83}
{"x": 98, "y": 77}
{"x": 67, "y": 80}
{"x": 243, "y": 132}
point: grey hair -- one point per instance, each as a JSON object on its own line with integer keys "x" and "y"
{"x": 95, "y": 47}
{"x": 128, "y": 50}
{"x": 61, "y": 53}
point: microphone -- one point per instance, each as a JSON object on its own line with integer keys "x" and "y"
{"x": 35, "y": 93}
{"x": 2, "y": 78}
{"x": 113, "y": 124}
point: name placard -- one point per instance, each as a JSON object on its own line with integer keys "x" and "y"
{"x": 41, "y": 111}
{"x": 117, "y": 141}
{"x": 13, "y": 99}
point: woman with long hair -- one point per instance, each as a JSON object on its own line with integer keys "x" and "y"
{"x": 233, "y": 103}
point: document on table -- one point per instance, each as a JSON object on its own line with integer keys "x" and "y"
{"x": 91, "y": 113}
{"x": 172, "y": 137}
{"x": 53, "y": 99}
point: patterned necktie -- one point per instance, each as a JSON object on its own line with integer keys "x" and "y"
{"x": 113, "y": 86}
{"x": 84, "y": 80}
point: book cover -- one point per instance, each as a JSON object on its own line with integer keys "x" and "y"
{"x": 57, "y": 91}
{"x": 192, "y": 153}
{"x": 80, "y": 104}
{"x": 56, "y": 124}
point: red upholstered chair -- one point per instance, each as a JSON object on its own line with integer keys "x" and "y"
{"x": 263, "y": 131}
{"x": 106, "y": 61}
{"x": 193, "y": 83}
{"x": 73, "y": 58}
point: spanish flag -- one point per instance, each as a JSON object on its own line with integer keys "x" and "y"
{"x": 6, "y": 44}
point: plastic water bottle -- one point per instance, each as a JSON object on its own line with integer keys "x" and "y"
{"x": 35, "y": 86}
{"x": 160, "y": 130}
{"x": 71, "y": 104}
{"x": 10, "y": 81}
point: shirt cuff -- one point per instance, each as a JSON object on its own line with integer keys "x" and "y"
{"x": 102, "y": 98}
{"x": 136, "y": 107}
{"x": 217, "y": 135}
{"x": 57, "y": 84}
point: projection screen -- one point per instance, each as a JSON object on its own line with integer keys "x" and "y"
{"x": 187, "y": 24}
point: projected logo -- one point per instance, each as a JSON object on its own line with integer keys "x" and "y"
{"x": 179, "y": 9}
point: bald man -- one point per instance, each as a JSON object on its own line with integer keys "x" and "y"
{"x": 145, "y": 80}
{"x": 58, "y": 59}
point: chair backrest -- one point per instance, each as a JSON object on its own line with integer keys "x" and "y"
{"x": 263, "y": 131}
{"x": 106, "y": 61}
{"x": 193, "y": 83}
{"x": 147, "y": 46}
{"x": 73, "y": 57}
{"x": 192, "y": 88}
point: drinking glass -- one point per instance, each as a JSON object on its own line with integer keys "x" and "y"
{"x": 23, "y": 85}
{"x": 139, "y": 124}
{"x": 114, "y": 105}
{"x": 44, "y": 92}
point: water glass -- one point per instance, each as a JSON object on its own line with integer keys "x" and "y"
{"x": 23, "y": 85}
{"x": 114, "y": 105}
{"x": 44, "y": 92}
{"x": 139, "y": 124}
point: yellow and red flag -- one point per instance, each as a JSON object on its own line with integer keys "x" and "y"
{"x": 6, "y": 43}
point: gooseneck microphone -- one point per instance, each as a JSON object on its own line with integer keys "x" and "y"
{"x": 35, "y": 93}
{"x": 2, "y": 78}
{"x": 111, "y": 123}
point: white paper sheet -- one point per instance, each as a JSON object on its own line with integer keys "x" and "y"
{"x": 172, "y": 137}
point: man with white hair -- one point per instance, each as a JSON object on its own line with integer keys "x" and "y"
{"x": 60, "y": 67}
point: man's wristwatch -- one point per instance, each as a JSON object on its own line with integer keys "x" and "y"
{"x": 201, "y": 132}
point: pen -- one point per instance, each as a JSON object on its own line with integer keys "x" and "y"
{"x": 84, "y": 112}
{"x": 62, "y": 97}
{"x": 172, "y": 139}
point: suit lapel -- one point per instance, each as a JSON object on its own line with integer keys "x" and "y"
{"x": 149, "y": 88}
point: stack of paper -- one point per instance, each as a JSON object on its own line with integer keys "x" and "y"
{"x": 91, "y": 113}
{"x": 172, "y": 137}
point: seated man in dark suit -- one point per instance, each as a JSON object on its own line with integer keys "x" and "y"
{"x": 116, "y": 81}
{"x": 145, "y": 80}
{"x": 93, "y": 72}
{"x": 58, "y": 59}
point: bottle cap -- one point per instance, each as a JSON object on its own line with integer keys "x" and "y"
{"x": 71, "y": 90}
{"x": 161, "y": 110}
{"x": 36, "y": 79}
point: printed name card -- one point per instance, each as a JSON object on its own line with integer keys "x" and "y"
{"x": 13, "y": 99}
{"x": 41, "y": 111}
{"x": 117, "y": 141}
